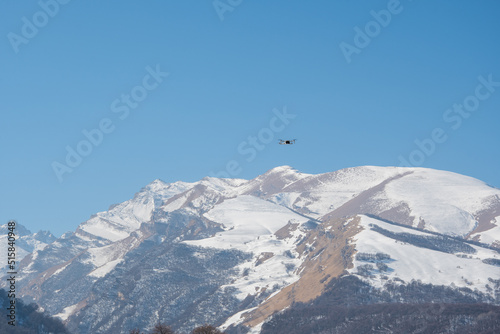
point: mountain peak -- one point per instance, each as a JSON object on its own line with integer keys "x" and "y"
{"x": 281, "y": 169}
{"x": 156, "y": 184}
{"x": 274, "y": 180}
{"x": 159, "y": 186}
{"x": 20, "y": 230}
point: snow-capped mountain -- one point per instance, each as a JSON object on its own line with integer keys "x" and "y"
{"x": 233, "y": 252}
{"x": 26, "y": 241}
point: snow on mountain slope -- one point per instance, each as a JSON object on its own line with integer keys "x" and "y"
{"x": 446, "y": 201}
{"x": 492, "y": 235}
{"x": 411, "y": 262}
{"x": 245, "y": 219}
{"x": 106, "y": 258}
{"x": 200, "y": 198}
{"x": 249, "y": 225}
{"x": 226, "y": 186}
{"x": 99, "y": 261}
{"x": 439, "y": 201}
{"x": 26, "y": 242}
{"x": 204, "y": 194}
{"x": 122, "y": 219}
{"x": 319, "y": 194}
{"x": 272, "y": 182}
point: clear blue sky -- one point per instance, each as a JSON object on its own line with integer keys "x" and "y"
{"x": 68, "y": 69}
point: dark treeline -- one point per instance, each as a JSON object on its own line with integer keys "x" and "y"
{"x": 162, "y": 328}
{"x": 352, "y": 306}
{"x": 493, "y": 262}
{"x": 439, "y": 243}
{"x": 388, "y": 318}
{"x": 29, "y": 320}
{"x": 456, "y": 238}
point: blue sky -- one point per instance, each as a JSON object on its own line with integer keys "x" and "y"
{"x": 352, "y": 98}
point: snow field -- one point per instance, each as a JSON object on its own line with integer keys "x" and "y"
{"x": 332, "y": 190}
{"x": 411, "y": 262}
{"x": 67, "y": 311}
{"x": 445, "y": 200}
{"x": 250, "y": 225}
{"x": 246, "y": 219}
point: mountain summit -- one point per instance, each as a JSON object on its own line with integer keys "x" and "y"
{"x": 26, "y": 241}
{"x": 234, "y": 252}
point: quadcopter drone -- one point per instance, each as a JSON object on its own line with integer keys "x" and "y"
{"x": 287, "y": 142}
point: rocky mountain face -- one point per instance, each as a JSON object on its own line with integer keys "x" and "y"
{"x": 234, "y": 252}
{"x": 26, "y": 241}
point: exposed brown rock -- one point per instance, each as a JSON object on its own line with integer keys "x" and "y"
{"x": 286, "y": 231}
{"x": 264, "y": 257}
{"x": 365, "y": 203}
{"x": 485, "y": 217}
{"x": 328, "y": 254}
{"x": 272, "y": 182}
{"x": 400, "y": 214}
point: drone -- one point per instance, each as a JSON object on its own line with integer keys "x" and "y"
{"x": 287, "y": 142}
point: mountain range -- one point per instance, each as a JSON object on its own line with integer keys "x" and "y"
{"x": 237, "y": 253}
{"x": 26, "y": 241}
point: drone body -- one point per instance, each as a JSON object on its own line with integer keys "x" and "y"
{"x": 287, "y": 142}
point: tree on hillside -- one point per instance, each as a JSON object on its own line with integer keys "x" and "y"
{"x": 162, "y": 328}
{"x": 135, "y": 331}
{"x": 29, "y": 318}
{"x": 206, "y": 329}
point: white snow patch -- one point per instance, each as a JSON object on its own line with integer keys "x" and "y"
{"x": 245, "y": 219}
{"x": 235, "y": 319}
{"x": 59, "y": 270}
{"x": 105, "y": 269}
{"x": 107, "y": 257}
{"x": 67, "y": 311}
{"x": 411, "y": 262}
{"x": 250, "y": 224}
{"x": 176, "y": 204}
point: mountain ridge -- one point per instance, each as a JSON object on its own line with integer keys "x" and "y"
{"x": 278, "y": 239}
